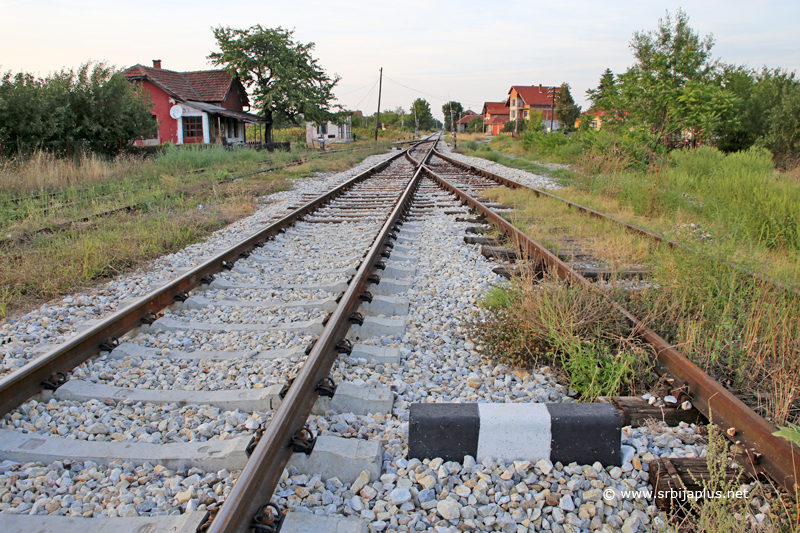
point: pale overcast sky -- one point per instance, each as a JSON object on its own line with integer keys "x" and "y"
{"x": 468, "y": 51}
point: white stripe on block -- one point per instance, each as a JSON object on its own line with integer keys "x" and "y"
{"x": 514, "y": 431}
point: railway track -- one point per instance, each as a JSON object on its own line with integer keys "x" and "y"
{"x": 765, "y": 454}
{"x": 314, "y": 334}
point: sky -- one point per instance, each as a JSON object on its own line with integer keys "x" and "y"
{"x": 468, "y": 51}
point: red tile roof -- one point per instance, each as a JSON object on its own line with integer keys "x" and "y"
{"x": 534, "y": 94}
{"x": 203, "y": 85}
{"x": 466, "y": 118}
{"x": 497, "y": 119}
{"x": 496, "y": 108}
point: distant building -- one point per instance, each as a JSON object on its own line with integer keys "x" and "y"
{"x": 495, "y": 115}
{"x": 204, "y": 106}
{"x": 594, "y": 116}
{"x": 522, "y": 99}
{"x": 461, "y": 124}
{"x": 329, "y": 133}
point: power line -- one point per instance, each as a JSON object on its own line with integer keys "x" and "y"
{"x": 353, "y": 91}
{"x": 429, "y": 94}
{"x": 367, "y": 95}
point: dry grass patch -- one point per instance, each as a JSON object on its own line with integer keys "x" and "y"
{"x": 533, "y": 323}
{"x": 49, "y": 253}
{"x": 558, "y": 227}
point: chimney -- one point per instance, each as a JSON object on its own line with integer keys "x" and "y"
{"x": 156, "y": 63}
{"x": 540, "y": 85}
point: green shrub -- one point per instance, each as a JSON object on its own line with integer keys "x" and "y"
{"x": 544, "y": 143}
{"x": 471, "y": 145}
{"x": 571, "y": 151}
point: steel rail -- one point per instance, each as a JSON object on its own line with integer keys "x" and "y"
{"x": 779, "y": 459}
{"x": 263, "y": 471}
{"x": 21, "y": 384}
{"x": 598, "y": 214}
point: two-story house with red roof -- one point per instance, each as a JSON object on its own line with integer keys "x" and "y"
{"x": 206, "y": 106}
{"x": 522, "y": 99}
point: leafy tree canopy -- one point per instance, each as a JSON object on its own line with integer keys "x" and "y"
{"x": 606, "y": 95}
{"x": 666, "y": 60}
{"x": 423, "y": 116}
{"x": 536, "y": 121}
{"x": 567, "y": 111}
{"x": 457, "y": 111}
{"x": 283, "y": 76}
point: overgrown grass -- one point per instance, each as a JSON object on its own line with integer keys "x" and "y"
{"x": 744, "y": 332}
{"x": 178, "y": 199}
{"x": 555, "y": 224}
{"x": 572, "y": 327}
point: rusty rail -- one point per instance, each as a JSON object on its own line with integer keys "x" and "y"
{"x": 779, "y": 459}
{"x": 263, "y": 471}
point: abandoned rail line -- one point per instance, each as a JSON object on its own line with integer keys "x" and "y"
{"x": 305, "y": 366}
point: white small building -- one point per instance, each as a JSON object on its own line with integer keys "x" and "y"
{"x": 329, "y": 133}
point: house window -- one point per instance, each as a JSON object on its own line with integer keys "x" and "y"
{"x": 323, "y": 129}
{"x": 525, "y": 114}
{"x": 192, "y": 126}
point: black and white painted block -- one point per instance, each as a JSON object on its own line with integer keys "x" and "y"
{"x": 565, "y": 432}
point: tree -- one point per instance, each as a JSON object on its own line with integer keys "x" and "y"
{"x": 282, "y": 74}
{"x": 782, "y": 133}
{"x": 606, "y": 97}
{"x": 422, "y": 110}
{"x": 567, "y": 112}
{"x": 475, "y": 124}
{"x": 666, "y": 60}
{"x": 454, "y": 109}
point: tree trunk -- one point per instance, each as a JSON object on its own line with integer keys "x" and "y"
{"x": 268, "y": 126}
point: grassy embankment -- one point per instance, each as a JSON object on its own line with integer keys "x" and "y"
{"x": 734, "y": 208}
{"x": 178, "y": 198}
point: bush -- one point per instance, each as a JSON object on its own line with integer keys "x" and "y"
{"x": 515, "y": 125}
{"x": 472, "y": 145}
{"x": 571, "y": 326}
{"x": 94, "y": 108}
{"x": 544, "y": 143}
{"x": 571, "y": 151}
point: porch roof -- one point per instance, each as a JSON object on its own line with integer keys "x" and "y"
{"x": 217, "y": 110}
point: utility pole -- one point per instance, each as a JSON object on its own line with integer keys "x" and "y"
{"x": 380, "y": 86}
{"x": 553, "y": 92}
{"x": 416, "y": 122}
{"x": 453, "y": 127}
